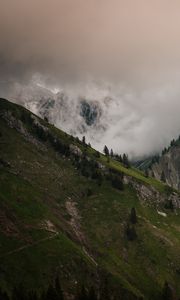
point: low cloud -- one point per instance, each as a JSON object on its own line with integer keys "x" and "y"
{"x": 124, "y": 51}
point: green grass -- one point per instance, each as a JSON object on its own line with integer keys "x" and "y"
{"x": 35, "y": 185}
{"x": 136, "y": 174}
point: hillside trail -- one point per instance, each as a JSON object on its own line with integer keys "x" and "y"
{"x": 72, "y": 196}
{"x": 30, "y": 245}
{"x": 75, "y": 221}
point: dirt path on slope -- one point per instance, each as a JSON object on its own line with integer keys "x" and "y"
{"x": 76, "y": 226}
{"x": 30, "y": 245}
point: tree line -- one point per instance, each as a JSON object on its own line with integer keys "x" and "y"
{"x": 121, "y": 158}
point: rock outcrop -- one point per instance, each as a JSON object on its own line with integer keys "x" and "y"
{"x": 168, "y": 167}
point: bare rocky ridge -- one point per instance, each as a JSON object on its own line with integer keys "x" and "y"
{"x": 168, "y": 168}
{"x": 148, "y": 195}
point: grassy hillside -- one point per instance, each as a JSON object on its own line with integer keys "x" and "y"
{"x": 57, "y": 219}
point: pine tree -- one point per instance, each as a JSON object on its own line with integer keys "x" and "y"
{"x": 84, "y": 140}
{"x": 106, "y": 150}
{"x": 173, "y": 143}
{"x": 133, "y": 217}
{"x": 117, "y": 182}
{"x": 111, "y": 153}
{"x": 125, "y": 160}
{"x": 120, "y": 158}
{"x": 46, "y": 119}
{"x": 169, "y": 205}
{"x": 164, "y": 151}
{"x": 130, "y": 232}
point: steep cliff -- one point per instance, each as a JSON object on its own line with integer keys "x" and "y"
{"x": 167, "y": 167}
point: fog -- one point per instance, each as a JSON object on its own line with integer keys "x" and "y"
{"x": 123, "y": 50}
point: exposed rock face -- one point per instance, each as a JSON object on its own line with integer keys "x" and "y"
{"x": 75, "y": 150}
{"x": 168, "y": 167}
{"x": 13, "y": 122}
{"x": 18, "y": 125}
{"x": 91, "y": 112}
{"x": 149, "y": 195}
{"x": 83, "y": 116}
{"x": 79, "y": 111}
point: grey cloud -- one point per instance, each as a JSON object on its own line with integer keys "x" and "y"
{"x": 131, "y": 49}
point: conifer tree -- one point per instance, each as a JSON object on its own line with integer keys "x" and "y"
{"x": 131, "y": 232}
{"x": 125, "y": 160}
{"x": 133, "y": 217}
{"x": 120, "y": 158}
{"x": 173, "y": 143}
{"x": 169, "y": 205}
{"x": 106, "y": 150}
{"x": 84, "y": 140}
{"x": 164, "y": 151}
{"x": 117, "y": 182}
{"x": 46, "y": 119}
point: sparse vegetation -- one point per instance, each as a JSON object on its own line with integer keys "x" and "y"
{"x": 72, "y": 214}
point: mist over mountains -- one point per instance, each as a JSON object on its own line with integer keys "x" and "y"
{"x": 65, "y": 46}
{"x": 138, "y": 123}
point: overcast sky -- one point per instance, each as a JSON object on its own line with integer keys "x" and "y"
{"x": 134, "y": 46}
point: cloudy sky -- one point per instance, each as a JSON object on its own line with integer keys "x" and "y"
{"x": 123, "y": 49}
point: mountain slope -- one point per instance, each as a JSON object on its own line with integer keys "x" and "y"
{"x": 167, "y": 167}
{"x": 64, "y": 210}
{"x": 60, "y": 109}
